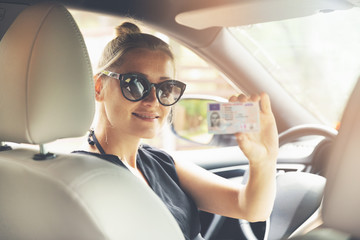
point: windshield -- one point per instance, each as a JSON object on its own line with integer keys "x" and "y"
{"x": 315, "y": 58}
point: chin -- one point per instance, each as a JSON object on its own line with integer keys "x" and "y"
{"x": 148, "y": 134}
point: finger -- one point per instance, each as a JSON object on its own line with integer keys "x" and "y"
{"x": 254, "y": 98}
{"x": 241, "y": 139}
{"x": 233, "y": 98}
{"x": 239, "y": 136}
{"x": 242, "y": 98}
{"x": 265, "y": 104}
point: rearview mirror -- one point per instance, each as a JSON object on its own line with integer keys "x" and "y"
{"x": 190, "y": 121}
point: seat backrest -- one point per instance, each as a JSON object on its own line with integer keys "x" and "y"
{"x": 46, "y": 93}
{"x": 46, "y": 89}
{"x": 341, "y": 209}
{"x": 341, "y": 212}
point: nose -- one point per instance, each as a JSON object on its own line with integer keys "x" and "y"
{"x": 151, "y": 99}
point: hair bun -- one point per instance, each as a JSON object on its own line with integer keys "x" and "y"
{"x": 127, "y": 28}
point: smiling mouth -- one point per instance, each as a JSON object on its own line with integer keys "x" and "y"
{"x": 145, "y": 116}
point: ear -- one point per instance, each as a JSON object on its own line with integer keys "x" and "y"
{"x": 98, "y": 88}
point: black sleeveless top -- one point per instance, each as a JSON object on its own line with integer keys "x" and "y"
{"x": 158, "y": 167}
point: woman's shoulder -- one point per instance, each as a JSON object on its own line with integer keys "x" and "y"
{"x": 157, "y": 154}
{"x": 154, "y": 151}
{"x": 157, "y": 162}
{"x": 108, "y": 157}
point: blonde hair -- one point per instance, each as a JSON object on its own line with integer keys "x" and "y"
{"x": 129, "y": 37}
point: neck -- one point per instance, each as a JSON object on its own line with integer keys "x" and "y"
{"x": 117, "y": 143}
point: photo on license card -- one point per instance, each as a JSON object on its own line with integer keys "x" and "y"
{"x": 228, "y": 118}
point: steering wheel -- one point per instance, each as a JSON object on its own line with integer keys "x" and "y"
{"x": 306, "y": 130}
{"x": 305, "y": 189}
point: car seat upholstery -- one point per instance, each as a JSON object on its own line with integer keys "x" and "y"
{"x": 341, "y": 212}
{"x": 46, "y": 93}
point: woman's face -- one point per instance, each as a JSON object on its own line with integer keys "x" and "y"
{"x": 145, "y": 118}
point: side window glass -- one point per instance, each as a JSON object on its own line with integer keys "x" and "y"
{"x": 200, "y": 77}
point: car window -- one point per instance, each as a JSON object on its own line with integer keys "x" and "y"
{"x": 315, "y": 58}
{"x": 200, "y": 77}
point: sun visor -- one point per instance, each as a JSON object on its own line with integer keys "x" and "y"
{"x": 256, "y": 11}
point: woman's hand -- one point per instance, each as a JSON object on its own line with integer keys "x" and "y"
{"x": 259, "y": 147}
{"x": 253, "y": 201}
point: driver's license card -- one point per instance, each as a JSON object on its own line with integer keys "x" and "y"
{"x": 233, "y": 117}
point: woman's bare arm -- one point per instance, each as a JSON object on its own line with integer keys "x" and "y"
{"x": 253, "y": 201}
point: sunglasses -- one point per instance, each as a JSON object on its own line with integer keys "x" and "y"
{"x": 136, "y": 87}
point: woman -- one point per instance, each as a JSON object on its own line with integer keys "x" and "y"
{"x": 135, "y": 92}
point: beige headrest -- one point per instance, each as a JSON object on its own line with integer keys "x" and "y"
{"x": 46, "y": 87}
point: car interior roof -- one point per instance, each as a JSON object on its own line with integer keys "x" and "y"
{"x": 161, "y": 14}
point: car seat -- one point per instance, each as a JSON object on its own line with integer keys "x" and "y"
{"x": 341, "y": 211}
{"x": 46, "y": 93}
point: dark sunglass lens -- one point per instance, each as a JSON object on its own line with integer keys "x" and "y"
{"x": 170, "y": 92}
{"x": 134, "y": 87}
